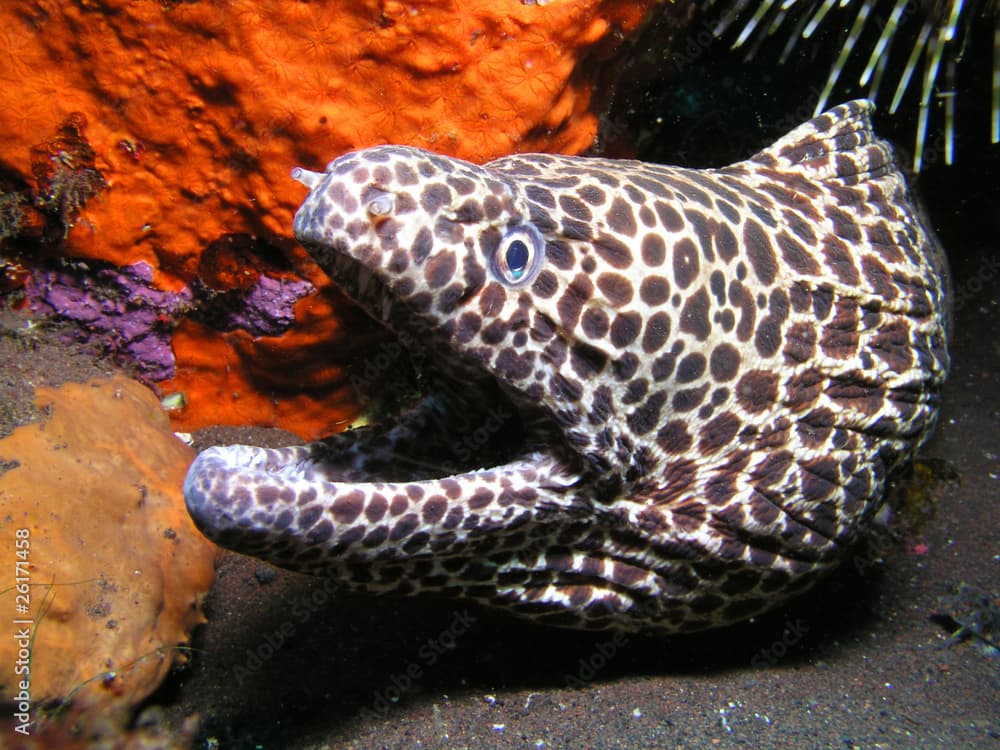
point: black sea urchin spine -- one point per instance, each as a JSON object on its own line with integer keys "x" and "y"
{"x": 932, "y": 35}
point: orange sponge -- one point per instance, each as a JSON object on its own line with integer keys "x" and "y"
{"x": 183, "y": 121}
{"x": 105, "y": 572}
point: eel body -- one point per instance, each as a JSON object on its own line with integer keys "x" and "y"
{"x": 656, "y": 397}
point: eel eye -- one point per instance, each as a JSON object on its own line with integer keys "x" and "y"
{"x": 518, "y": 257}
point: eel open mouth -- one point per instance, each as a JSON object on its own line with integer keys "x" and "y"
{"x": 469, "y": 456}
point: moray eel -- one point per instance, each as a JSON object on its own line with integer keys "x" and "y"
{"x": 657, "y": 398}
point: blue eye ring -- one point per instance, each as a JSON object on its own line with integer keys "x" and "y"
{"x": 518, "y": 256}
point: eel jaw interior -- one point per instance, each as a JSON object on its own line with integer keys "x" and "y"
{"x": 250, "y": 499}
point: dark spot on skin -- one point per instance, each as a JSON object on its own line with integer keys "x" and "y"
{"x": 840, "y": 335}
{"x": 616, "y": 288}
{"x": 594, "y": 323}
{"x": 461, "y": 185}
{"x": 717, "y": 285}
{"x": 645, "y": 418}
{"x": 453, "y": 518}
{"x": 691, "y": 367}
{"x": 800, "y": 227}
{"x": 878, "y": 277}
{"x": 656, "y": 332}
{"x": 767, "y": 339}
{"x": 348, "y": 507}
{"x": 615, "y": 252}
{"x": 404, "y": 527}
{"x": 663, "y": 366}
{"x": 602, "y": 408}
{"x": 492, "y": 207}
{"x": 592, "y": 195}
{"x": 728, "y": 211}
{"x": 566, "y": 388}
{"x": 654, "y": 290}
{"x": 468, "y": 326}
{"x": 572, "y": 300}
{"x": 421, "y": 301}
{"x": 757, "y": 390}
{"x": 739, "y": 297}
{"x": 636, "y": 391}
{"x": 399, "y": 503}
{"x": 495, "y": 332}
{"x": 686, "y": 264}
{"x": 513, "y": 367}
{"x": 434, "y": 197}
{"x": 575, "y": 208}
{"x": 440, "y": 269}
{"x": 724, "y": 362}
{"x": 725, "y": 243}
{"x": 267, "y": 495}
{"x": 654, "y": 250}
{"x": 701, "y": 229}
{"x": 376, "y": 508}
{"x": 546, "y": 284}
{"x": 422, "y": 245}
{"x": 669, "y": 217}
{"x": 625, "y": 329}
{"x": 320, "y": 533}
{"x": 762, "y": 214}
{"x": 694, "y": 315}
{"x": 796, "y": 256}
{"x": 822, "y": 300}
{"x": 621, "y": 218}
{"x": 652, "y": 186}
{"x": 308, "y": 517}
{"x": 843, "y": 224}
{"x": 491, "y": 299}
{"x": 405, "y": 174}
{"x": 674, "y": 437}
{"x": 760, "y": 252}
{"x": 540, "y": 195}
{"x": 718, "y": 433}
{"x": 800, "y": 297}
{"x": 434, "y": 509}
{"x": 625, "y": 366}
{"x": 559, "y": 255}
{"x": 470, "y": 211}
{"x": 840, "y": 261}
{"x": 688, "y": 399}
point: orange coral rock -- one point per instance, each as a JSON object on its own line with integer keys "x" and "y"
{"x": 197, "y": 112}
{"x": 91, "y": 512}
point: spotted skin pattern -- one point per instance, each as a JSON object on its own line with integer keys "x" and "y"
{"x": 703, "y": 378}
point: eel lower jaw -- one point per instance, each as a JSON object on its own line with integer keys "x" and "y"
{"x": 277, "y": 503}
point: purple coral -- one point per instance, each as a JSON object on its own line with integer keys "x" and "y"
{"x": 119, "y": 309}
{"x": 265, "y": 309}
{"x": 115, "y": 307}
